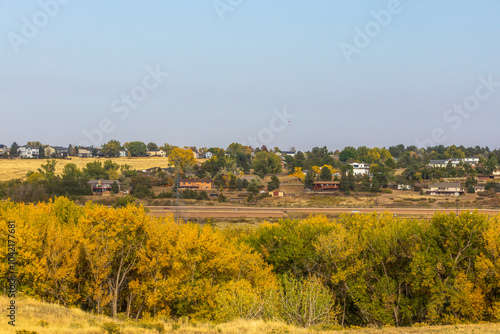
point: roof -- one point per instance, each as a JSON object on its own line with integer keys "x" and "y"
{"x": 446, "y": 185}
{"x": 196, "y": 180}
{"x": 438, "y": 162}
{"x": 103, "y": 181}
{"x": 326, "y": 182}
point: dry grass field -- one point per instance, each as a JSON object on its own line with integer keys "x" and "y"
{"x": 17, "y": 168}
{"x": 44, "y": 318}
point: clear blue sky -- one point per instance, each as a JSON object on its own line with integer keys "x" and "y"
{"x": 226, "y": 78}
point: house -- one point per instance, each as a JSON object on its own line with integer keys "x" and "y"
{"x": 404, "y": 187}
{"x": 326, "y": 185}
{"x": 122, "y": 153}
{"x": 473, "y": 161}
{"x": 208, "y": 155}
{"x": 446, "y": 188}
{"x": 276, "y": 193}
{"x": 479, "y": 189}
{"x": 156, "y": 153}
{"x": 59, "y": 151}
{"x": 84, "y": 152}
{"x": 195, "y": 184}
{"x": 360, "y": 168}
{"x": 28, "y": 151}
{"x": 485, "y": 177}
{"x": 290, "y": 153}
{"x": 438, "y": 163}
{"x": 3, "y": 149}
{"x": 102, "y": 187}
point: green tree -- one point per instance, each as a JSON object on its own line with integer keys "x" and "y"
{"x": 265, "y": 163}
{"x": 115, "y": 188}
{"x": 273, "y": 184}
{"x": 152, "y": 146}
{"x": 111, "y": 148}
{"x": 255, "y": 185}
{"x": 95, "y": 171}
{"x": 347, "y": 153}
{"x": 14, "y": 150}
{"x": 136, "y": 148}
{"x": 326, "y": 174}
{"x": 309, "y": 180}
{"x": 491, "y": 165}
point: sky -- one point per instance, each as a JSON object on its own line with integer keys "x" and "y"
{"x": 278, "y": 73}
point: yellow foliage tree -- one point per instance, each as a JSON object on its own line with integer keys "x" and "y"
{"x": 184, "y": 158}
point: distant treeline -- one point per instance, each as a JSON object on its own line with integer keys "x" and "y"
{"x": 356, "y": 270}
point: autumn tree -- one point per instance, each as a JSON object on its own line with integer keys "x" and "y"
{"x": 183, "y": 158}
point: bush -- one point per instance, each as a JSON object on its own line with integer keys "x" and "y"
{"x": 239, "y": 300}
{"x": 305, "y": 302}
{"x": 175, "y": 327}
{"x": 122, "y": 202}
{"x": 386, "y": 191}
{"x": 160, "y": 328}
{"x": 111, "y": 327}
{"x": 42, "y": 323}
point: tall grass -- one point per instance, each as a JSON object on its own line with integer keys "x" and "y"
{"x": 33, "y": 315}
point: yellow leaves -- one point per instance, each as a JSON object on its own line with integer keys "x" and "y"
{"x": 182, "y": 157}
{"x": 299, "y": 174}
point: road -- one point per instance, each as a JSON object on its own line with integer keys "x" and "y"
{"x": 276, "y": 212}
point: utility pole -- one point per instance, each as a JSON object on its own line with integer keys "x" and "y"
{"x": 178, "y": 194}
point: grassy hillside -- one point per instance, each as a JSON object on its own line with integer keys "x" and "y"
{"x": 47, "y": 318}
{"x": 17, "y": 168}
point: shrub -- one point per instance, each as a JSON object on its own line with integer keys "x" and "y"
{"x": 305, "y": 302}
{"x": 111, "y": 327}
{"x": 42, "y": 323}
{"x": 122, "y": 202}
{"x": 175, "y": 327}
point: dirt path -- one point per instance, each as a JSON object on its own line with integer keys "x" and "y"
{"x": 259, "y": 212}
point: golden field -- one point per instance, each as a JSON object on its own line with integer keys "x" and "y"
{"x": 47, "y": 318}
{"x": 17, "y": 168}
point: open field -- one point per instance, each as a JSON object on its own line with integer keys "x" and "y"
{"x": 17, "y": 168}
{"x": 47, "y": 318}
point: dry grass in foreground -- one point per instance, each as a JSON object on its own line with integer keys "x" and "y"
{"x": 44, "y": 318}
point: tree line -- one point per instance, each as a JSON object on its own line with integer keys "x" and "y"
{"x": 358, "y": 270}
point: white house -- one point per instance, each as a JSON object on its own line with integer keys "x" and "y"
{"x": 360, "y": 168}
{"x": 208, "y": 155}
{"x": 290, "y": 153}
{"x": 27, "y": 151}
{"x": 454, "y": 162}
{"x": 4, "y": 149}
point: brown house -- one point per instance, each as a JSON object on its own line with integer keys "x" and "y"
{"x": 326, "y": 185}
{"x": 102, "y": 187}
{"x": 195, "y": 184}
